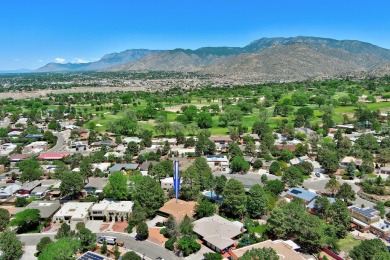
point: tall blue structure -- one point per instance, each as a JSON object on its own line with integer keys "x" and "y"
{"x": 176, "y": 179}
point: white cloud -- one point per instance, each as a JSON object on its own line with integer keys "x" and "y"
{"x": 79, "y": 60}
{"x": 60, "y": 60}
{"x": 17, "y": 59}
{"x": 40, "y": 61}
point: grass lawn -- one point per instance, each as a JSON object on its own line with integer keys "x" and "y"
{"x": 371, "y": 175}
{"x": 259, "y": 229}
{"x": 346, "y": 244}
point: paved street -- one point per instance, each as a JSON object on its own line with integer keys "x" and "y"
{"x": 59, "y": 144}
{"x": 150, "y": 249}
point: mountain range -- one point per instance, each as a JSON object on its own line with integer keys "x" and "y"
{"x": 266, "y": 59}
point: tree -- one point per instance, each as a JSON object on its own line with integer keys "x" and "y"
{"x": 64, "y": 231}
{"x": 351, "y": 170}
{"x": 4, "y": 218}
{"x": 158, "y": 171}
{"x": 30, "y": 169}
{"x": 340, "y": 218}
{"x": 87, "y": 239}
{"x": 43, "y": 243}
{"x": 146, "y": 137}
{"x": 274, "y": 168}
{"x": 63, "y": 248}
{"x": 346, "y": 193}
{"x": 220, "y": 182}
{"x": 299, "y": 98}
{"x": 21, "y": 202}
{"x": 256, "y": 201}
{"x": 286, "y": 155}
{"x": 103, "y": 249}
{"x": 265, "y": 253}
{"x": 257, "y": 164}
{"x": 238, "y": 164}
{"x": 131, "y": 255}
{"x": 149, "y": 195}
{"x": 204, "y": 208}
{"x": 72, "y": 184}
{"x": 370, "y": 249}
{"x": 212, "y": 256}
{"x": 328, "y": 160}
{"x": 274, "y": 186}
{"x": 171, "y": 228}
{"x": 332, "y": 186}
{"x": 204, "y": 120}
{"x": 234, "y": 150}
{"x": 380, "y": 206}
{"x": 186, "y": 227}
{"x": 117, "y": 187}
{"x": 234, "y": 198}
{"x": 292, "y": 176}
{"x": 26, "y": 220}
{"x": 10, "y": 246}
{"x": 188, "y": 245}
{"x": 383, "y": 156}
{"x": 132, "y": 148}
{"x": 142, "y": 230}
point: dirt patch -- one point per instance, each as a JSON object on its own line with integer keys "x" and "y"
{"x": 156, "y": 237}
{"x": 120, "y": 227}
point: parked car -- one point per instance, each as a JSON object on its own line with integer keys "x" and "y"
{"x": 10, "y": 181}
{"x": 109, "y": 240}
{"x": 318, "y": 174}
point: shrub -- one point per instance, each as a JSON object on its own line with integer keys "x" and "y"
{"x": 169, "y": 243}
{"x": 387, "y": 203}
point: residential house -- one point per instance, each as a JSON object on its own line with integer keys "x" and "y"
{"x": 255, "y": 137}
{"x": 8, "y": 191}
{"x": 101, "y": 166}
{"x": 290, "y": 147}
{"x": 53, "y": 156}
{"x": 362, "y": 218}
{"x": 7, "y": 148}
{"x": 311, "y": 206}
{"x": 167, "y": 183}
{"x": 74, "y": 212}
{"x": 221, "y": 142}
{"x": 27, "y": 187}
{"x": 384, "y": 170}
{"x": 284, "y": 249}
{"x": 95, "y": 185}
{"x": 13, "y": 134}
{"x": 46, "y": 208}
{"x": 107, "y": 208}
{"x": 217, "y": 232}
{"x": 349, "y": 159}
{"x": 35, "y": 147}
{"x": 218, "y": 162}
{"x": 123, "y": 167}
{"x": 178, "y": 209}
{"x": 305, "y": 195}
{"x": 108, "y": 143}
{"x": 34, "y": 136}
{"x": 127, "y": 140}
{"x": 39, "y": 192}
{"x": 18, "y": 157}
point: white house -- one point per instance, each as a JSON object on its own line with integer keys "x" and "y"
{"x": 218, "y": 162}
{"x": 74, "y": 212}
{"x": 9, "y": 191}
{"x": 107, "y": 208}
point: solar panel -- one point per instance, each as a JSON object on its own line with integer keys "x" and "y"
{"x": 296, "y": 192}
{"x": 91, "y": 256}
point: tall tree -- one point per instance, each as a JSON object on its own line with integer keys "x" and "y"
{"x": 234, "y": 198}
{"x": 265, "y": 253}
{"x": 148, "y": 195}
{"x": 87, "y": 239}
{"x": 72, "y": 183}
{"x": 4, "y": 219}
{"x": 142, "y": 230}
{"x": 346, "y": 193}
{"x": 204, "y": 208}
{"x": 257, "y": 201}
{"x": 117, "y": 187}
{"x": 370, "y": 249}
{"x": 332, "y": 186}
{"x": 26, "y": 220}
{"x": 63, "y": 248}
{"x": 292, "y": 176}
{"x": 10, "y": 246}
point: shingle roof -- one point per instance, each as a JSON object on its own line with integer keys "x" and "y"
{"x": 213, "y": 225}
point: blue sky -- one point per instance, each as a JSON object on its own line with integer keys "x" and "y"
{"x": 34, "y": 33}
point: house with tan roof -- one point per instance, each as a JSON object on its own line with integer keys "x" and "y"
{"x": 284, "y": 249}
{"x": 180, "y": 209}
{"x": 217, "y": 232}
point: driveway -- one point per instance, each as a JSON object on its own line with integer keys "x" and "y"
{"x": 199, "y": 255}
{"x": 29, "y": 252}
{"x": 148, "y": 248}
